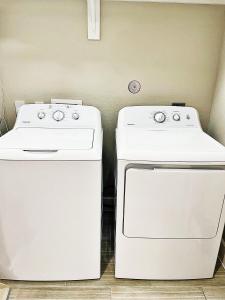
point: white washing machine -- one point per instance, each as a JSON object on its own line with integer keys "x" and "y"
{"x": 170, "y": 195}
{"x": 50, "y": 194}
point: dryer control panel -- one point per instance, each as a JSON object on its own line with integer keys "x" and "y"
{"x": 159, "y": 117}
{"x": 58, "y": 116}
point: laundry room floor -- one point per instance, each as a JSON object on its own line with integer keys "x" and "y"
{"x": 117, "y": 289}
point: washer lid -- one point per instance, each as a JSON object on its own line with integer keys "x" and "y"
{"x": 168, "y": 145}
{"x": 43, "y": 139}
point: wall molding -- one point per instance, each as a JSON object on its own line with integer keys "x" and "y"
{"x": 94, "y": 8}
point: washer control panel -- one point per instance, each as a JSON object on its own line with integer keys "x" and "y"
{"x": 159, "y": 117}
{"x": 58, "y": 116}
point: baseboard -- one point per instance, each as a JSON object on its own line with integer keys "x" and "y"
{"x": 222, "y": 253}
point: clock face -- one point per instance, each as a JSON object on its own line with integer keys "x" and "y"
{"x": 134, "y": 86}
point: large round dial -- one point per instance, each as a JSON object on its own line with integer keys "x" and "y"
{"x": 159, "y": 117}
{"x": 58, "y": 115}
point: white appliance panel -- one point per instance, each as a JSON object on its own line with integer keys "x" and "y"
{"x": 58, "y": 116}
{"x": 146, "y": 117}
{"x": 50, "y": 220}
{"x": 173, "y": 203}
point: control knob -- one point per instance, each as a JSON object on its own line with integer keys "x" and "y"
{"x": 58, "y": 115}
{"x": 41, "y": 115}
{"x": 176, "y": 117}
{"x": 75, "y": 116}
{"x": 159, "y": 117}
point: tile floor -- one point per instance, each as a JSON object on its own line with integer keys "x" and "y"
{"x": 116, "y": 289}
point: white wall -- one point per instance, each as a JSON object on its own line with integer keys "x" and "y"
{"x": 217, "y": 117}
{"x": 172, "y": 49}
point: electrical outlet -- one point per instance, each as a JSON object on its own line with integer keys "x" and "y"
{"x": 178, "y": 104}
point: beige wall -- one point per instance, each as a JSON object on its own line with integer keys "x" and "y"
{"x": 172, "y": 49}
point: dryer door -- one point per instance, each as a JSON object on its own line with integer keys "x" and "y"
{"x": 173, "y": 203}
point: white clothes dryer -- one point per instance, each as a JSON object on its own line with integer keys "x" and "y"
{"x": 170, "y": 194}
{"x": 50, "y": 194}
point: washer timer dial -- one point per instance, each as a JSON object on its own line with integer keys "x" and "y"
{"x": 159, "y": 117}
{"x": 58, "y": 115}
